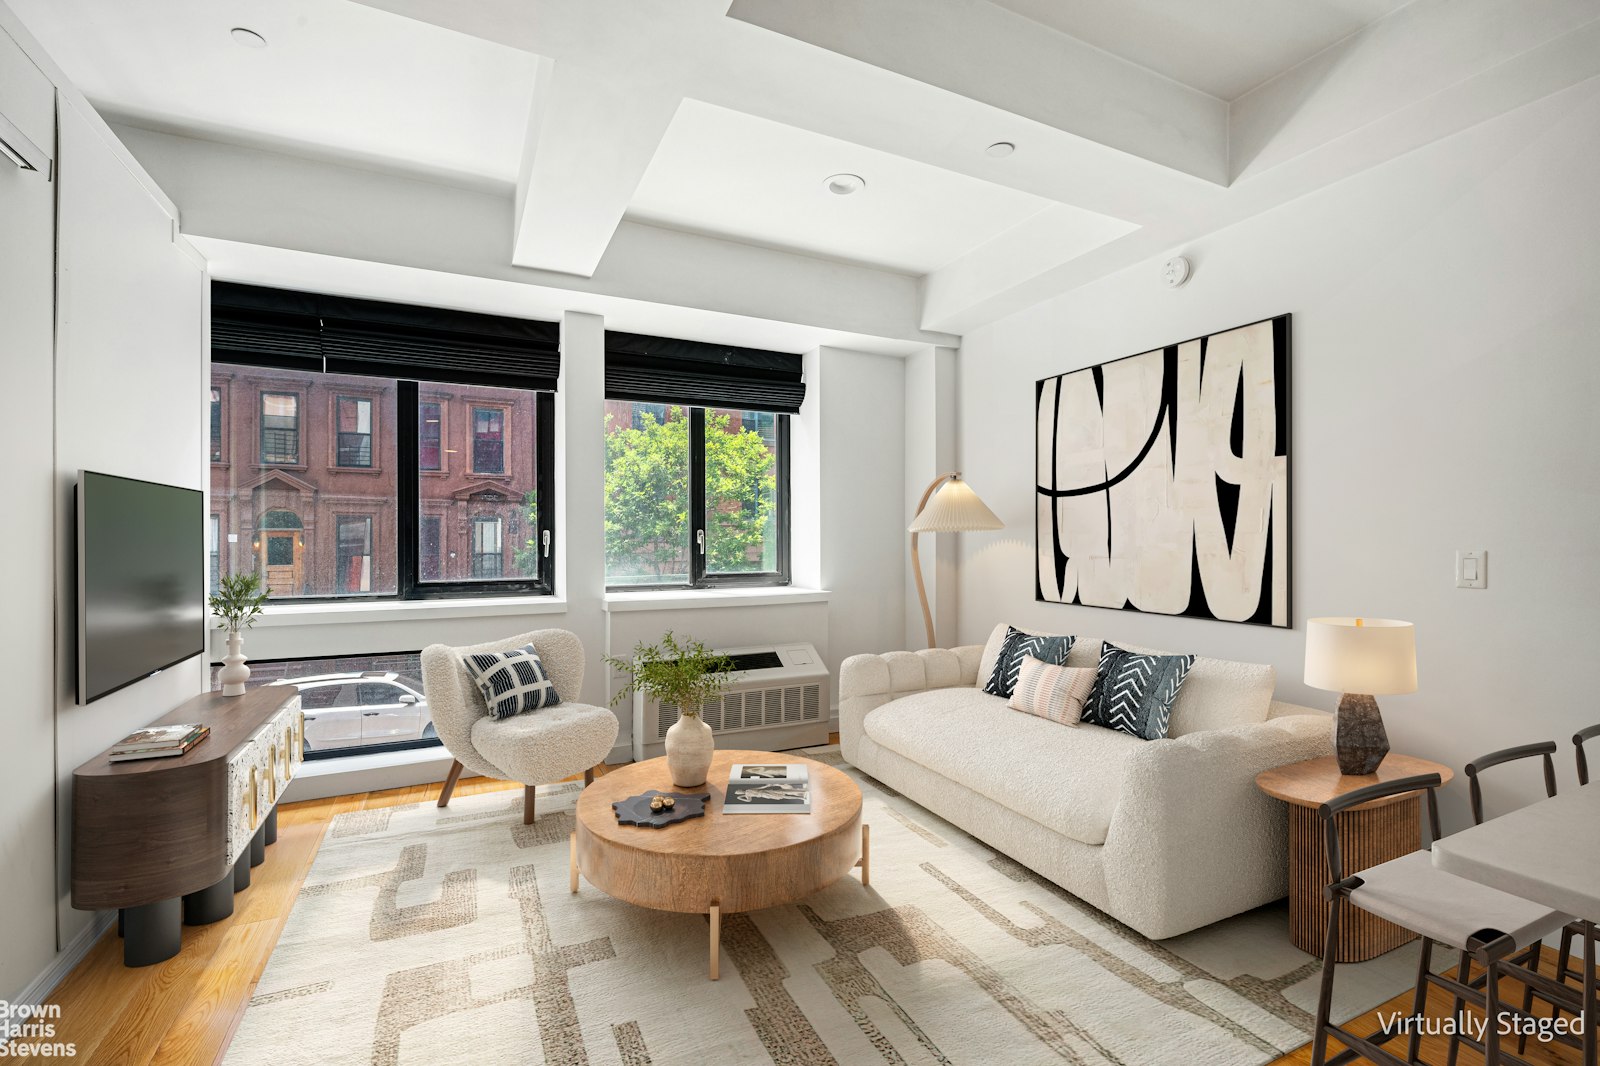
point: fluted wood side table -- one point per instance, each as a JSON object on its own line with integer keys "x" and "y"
{"x": 1369, "y": 834}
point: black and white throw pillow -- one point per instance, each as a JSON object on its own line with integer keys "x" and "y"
{"x": 512, "y": 681}
{"x": 1016, "y": 647}
{"x": 1133, "y": 693}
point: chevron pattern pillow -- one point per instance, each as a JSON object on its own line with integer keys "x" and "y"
{"x": 1003, "y": 679}
{"x": 1053, "y": 692}
{"x": 1133, "y": 693}
{"x": 512, "y": 681}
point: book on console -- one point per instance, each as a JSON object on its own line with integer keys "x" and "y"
{"x": 158, "y": 742}
{"x": 767, "y": 788}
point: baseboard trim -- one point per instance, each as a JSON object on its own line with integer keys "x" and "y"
{"x": 39, "y": 989}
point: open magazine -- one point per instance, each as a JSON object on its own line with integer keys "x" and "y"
{"x": 767, "y": 788}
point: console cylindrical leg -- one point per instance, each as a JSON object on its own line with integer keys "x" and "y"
{"x": 241, "y": 872}
{"x": 209, "y": 904}
{"x": 152, "y": 933}
{"x": 272, "y": 826}
{"x": 258, "y": 846}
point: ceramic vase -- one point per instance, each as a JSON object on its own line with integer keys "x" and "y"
{"x": 234, "y": 672}
{"x": 690, "y": 744}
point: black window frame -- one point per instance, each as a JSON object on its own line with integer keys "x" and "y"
{"x": 698, "y": 535}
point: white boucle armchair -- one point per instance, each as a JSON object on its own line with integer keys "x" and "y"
{"x": 1189, "y": 839}
{"x": 534, "y": 748}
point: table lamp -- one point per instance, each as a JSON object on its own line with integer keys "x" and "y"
{"x": 1361, "y": 658}
{"x": 955, "y": 509}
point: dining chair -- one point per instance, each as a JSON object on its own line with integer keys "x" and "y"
{"x": 1441, "y": 908}
{"x": 1531, "y": 958}
{"x": 1564, "y": 968}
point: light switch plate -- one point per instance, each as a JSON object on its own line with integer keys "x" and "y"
{"x": 1472, "y": 568}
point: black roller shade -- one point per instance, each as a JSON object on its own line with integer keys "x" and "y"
{"x": 695, "y": 374}
{"x": 342, "y": 335}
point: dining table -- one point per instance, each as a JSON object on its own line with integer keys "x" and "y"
{"x": 1547, "y": 852}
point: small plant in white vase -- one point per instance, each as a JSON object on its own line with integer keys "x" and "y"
{"x": 236, "y": 604}
{"x": 685, "y": 674}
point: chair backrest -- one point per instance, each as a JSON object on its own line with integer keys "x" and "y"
{"x": 1577, "y": 741}
{"x": 1545, "y": 748}
{"x": 455, "y": 702}
{"x": 1329, "y": 811}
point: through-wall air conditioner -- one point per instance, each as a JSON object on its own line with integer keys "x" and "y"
{"x": 778, "y": 700}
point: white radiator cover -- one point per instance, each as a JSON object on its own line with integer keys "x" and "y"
{"x": 769, "y": 709}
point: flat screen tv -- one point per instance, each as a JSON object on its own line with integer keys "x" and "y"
{"x": 141, "y": 580}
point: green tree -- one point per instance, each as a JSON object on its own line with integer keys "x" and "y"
{"x": 647, "y": 496}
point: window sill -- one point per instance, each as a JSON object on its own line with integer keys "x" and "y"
{"x": 685, "y": 599}
{"x": 300, "y": 614}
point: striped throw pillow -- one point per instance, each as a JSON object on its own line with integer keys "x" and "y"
{"x": 1050, "y": 691}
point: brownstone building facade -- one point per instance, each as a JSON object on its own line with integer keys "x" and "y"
{"x": 304, "y": 482}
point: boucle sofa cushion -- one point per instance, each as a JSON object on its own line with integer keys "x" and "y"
{"x": 1218, "y": 694}
{"x": 1055, "y": 693}
{"x": 1018, "y": 646}
{"x": 1073, "y": 777}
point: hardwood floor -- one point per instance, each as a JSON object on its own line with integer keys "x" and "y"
{"x": 183, "y": 1012}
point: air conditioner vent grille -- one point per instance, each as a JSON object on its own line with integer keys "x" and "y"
{"x": 752, "y": 709}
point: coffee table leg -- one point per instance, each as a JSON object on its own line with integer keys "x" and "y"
{"x": 865, "y": 861}
{"x": 572, "y": 859}
{"x": 716, "y": 941}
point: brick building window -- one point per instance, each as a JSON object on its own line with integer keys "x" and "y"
{"x": 488, "y": 440}
{"x": 353, "y": 570}
{"x": 488, "y": 559}
{"x": 430, "y": 435}
{"x": 216, "y": 425}
{"x": 280, "y": 428}
{"x": 354, "y": 432}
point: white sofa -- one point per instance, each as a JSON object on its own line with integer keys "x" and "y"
{"x": 1163, "y": 835}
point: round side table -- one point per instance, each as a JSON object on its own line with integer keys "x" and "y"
{"x": 1368, "y": 835}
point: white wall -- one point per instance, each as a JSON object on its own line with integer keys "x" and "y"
{"x": 27, "y": 536}
{"x": 1444, "y": 388}
{"x": 129, "y": 400}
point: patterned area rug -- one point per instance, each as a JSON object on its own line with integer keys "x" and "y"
{"x": 429, "y": 936}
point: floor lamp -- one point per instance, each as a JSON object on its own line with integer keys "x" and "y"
{"x": 955, "y": 509}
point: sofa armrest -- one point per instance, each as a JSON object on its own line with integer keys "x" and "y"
{"x": 869, "y": 681}
{"x": 1190, "y": 814}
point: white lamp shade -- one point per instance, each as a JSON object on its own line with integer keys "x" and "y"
{"x": 1369, "y": 656}
{"x": 954, "y": 509}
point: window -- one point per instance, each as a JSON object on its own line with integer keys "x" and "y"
{"x": 280, "y": 428}
{"x": 214, "y": 548}
{"x": 695, "y": 497}
{"x": 216, "y": 425}
{"x": 353, "y": 704}
{"x": 375, "y": 392}
{"x": 488, "y": 440}
{"x": 429, "y": 563}
{"x": 354, "y": 440}
{"x": 430, "y": 435}
{"x": 353, "y": 568}
{"x": 486, "y": 551}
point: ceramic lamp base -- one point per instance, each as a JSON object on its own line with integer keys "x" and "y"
{"x": 1359, "y": 740}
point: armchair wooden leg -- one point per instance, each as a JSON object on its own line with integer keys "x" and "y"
{"x": 450, "y": 783}
{"x": 588, "y": 777}
{"x": 528, "y": 792}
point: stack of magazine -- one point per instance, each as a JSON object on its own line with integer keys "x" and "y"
{"x": 158, "y": 742}
{"x": 768, "y": 788}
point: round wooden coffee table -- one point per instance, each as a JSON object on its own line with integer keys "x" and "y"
{"x": 721, "y": 863}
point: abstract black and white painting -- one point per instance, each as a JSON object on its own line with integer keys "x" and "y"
{"x": 1163, "y": 480}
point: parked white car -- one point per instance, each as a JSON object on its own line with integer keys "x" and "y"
{"x": 356, "y": 709}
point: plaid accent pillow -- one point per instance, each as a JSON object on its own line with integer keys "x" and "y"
{"x": 1050, "y": 691}
{"x": 511, "y": 681}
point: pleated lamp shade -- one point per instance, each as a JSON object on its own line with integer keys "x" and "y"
{"x": 955, "y": 508}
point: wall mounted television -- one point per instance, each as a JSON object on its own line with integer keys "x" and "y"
{"x": 141, "y": 580}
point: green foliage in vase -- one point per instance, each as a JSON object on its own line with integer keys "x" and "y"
{"x": 237, "y": 601}
{"x": 684, "y": 673}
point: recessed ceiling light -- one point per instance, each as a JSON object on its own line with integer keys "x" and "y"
{"x": 845, "y": 184}
{"x": 248, "y": 38}
{"x": 1000, "y": 149}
